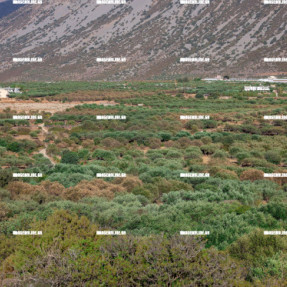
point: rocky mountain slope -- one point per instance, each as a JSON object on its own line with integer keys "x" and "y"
{"x": 151, "y": 34}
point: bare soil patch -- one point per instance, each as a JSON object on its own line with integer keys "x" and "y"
{"x": 45, "y": 106}
{"x": 205, "y": 159}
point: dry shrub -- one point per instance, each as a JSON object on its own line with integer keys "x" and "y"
{"x": 154, "y": 143}
{"x": 95, "y": 187}
{"x": 111, "y": 143}
{"x": 279, "y": 180}
{"x": 227, "y": 174}
{"x": 23, "y": 131}
{"x": 184, "y": 142}
{"x": 62, "y": 145}
{"x": 128, "y": 183}
{"x": 3, "y": 211}
{"x": 88, "y": 143}
{"x": 21, "y": 190}
{"x": 196, "y": 143}
{"x": 252, "y": 174}
{"x": 170, "y": 144}
{"x": 53, "y": 188}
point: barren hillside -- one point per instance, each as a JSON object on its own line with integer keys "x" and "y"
{"x": 153, "y": 35}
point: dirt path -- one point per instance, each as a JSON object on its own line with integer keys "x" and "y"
{"x": 43, "y": 151}
{"x": 44, "y": 129}
{"x": 30, "y": 106}
{"x": 276, "y": 93}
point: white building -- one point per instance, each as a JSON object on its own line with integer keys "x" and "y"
{"x": 218, "y": 78}
{"x": 3, "y": 94}
{"x": 273, "y": 79}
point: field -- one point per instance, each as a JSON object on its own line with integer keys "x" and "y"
{"x": 69, "y": 146}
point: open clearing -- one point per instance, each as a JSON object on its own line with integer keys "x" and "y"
{"x": 46, "y": 106}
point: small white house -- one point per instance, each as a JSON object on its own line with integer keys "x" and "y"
{"x": 13, "y": 90}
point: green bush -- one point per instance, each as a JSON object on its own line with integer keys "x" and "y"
{"x": 273, "y": 157}
{"x": 5, "y": 177}
{"x": 256, "y": 247}
{"x": 105, "y": 155}
{"x": 209, "y": 149}
{"x": 14, "y": 146}
{"x": 220, "y": 154}
{"x": 69, "y": 157}
{"x": 210, "y": 124}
